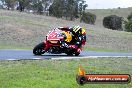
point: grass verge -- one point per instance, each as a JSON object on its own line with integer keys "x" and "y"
{"x": 60, "y": 73}
{"x": 104, "y": 50}
{"x": 15, "y": 47}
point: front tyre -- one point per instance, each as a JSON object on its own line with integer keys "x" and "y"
{"x": 39, "y": 49}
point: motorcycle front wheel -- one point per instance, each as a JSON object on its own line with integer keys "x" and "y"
{"x": 39, "y": 49}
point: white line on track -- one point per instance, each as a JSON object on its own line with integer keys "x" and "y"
{"x": 11, "y": 59}
{"x": 63, "y": 58}
{"x": 37, "y": 58}
{"x": 66, "y": 58}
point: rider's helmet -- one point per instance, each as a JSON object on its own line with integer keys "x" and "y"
{"x": 77, "y": 30}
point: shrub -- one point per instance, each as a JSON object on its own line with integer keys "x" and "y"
{"x": 88, "y": 18}
{"x": 129, "y": 16}
{"x": 113, "y": 22}
{"x": 128, "y": 26}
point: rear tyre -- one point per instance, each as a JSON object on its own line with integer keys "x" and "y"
{"x": 77, "y": 54}
{"x": 39, "y": 49}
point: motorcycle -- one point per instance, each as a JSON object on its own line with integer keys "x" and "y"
{"x": 52, "y": 44}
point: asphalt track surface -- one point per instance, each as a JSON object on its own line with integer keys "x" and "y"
{"x": 27, "y": 54}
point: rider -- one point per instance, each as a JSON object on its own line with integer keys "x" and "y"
{"x": 78, "y": 35}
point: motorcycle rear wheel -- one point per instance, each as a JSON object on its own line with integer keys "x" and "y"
{"x": 39, "y": 49}
{"x": 77, "y": 54}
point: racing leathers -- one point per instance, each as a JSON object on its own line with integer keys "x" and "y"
{"x": 78, "y": 35}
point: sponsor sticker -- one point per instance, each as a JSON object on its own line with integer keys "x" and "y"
{"x": 83, "y": 78}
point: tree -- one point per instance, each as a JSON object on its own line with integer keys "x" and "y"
{"x": 82, "y": 6}
{"x": 41, "y": 6}
{"x": 57, "y": 8}
{"x": 128, "y": 23}
{"x": 129, "y": 17}
{"x": 88, "y": 18}
{"x": 69, "y": 9}
{"x": 46, "y": 4}
{"x": 37, "y": 5}
{"x": 128, "y": 26}
{"x": 9, "y": 3}
{"x": 23, "y": 4}
{"x": 113, "y": 22}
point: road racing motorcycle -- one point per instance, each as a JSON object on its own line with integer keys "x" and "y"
{"x": 53, "y": 45}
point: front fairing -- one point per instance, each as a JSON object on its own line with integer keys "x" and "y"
{"x": 54, "y": 35}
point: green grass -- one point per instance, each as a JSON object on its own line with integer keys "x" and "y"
{"x": 2, "y": 46}
{"x": 60, "y": 73}
{"x": 104, "y": 50}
